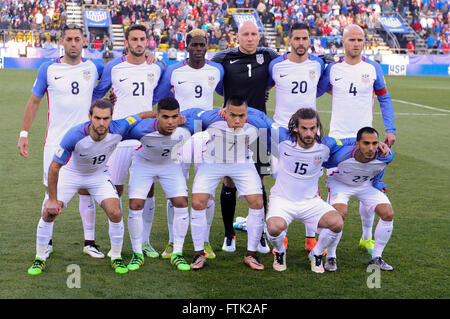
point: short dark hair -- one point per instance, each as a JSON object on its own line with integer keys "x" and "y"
{"x": 133, "y": 27}
{"x": 304, "y": 114}
{"x": 366, "y": 129}
{"x": 71, "y": 26}
{"x": 167, "y": 103}
{"x": 236, "y": 100}
{"x": 101, "y": 104}
{"x": 299, "y": 26}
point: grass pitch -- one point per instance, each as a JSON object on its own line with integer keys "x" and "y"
{"x": 418, "y": 181}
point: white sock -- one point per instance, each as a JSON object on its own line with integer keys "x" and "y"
{"x": 210, "y": 208}
{"x": 87, "y": 212}
{"x": 326, "y": 239}
{"x": 147, "y": 218}
{"x": 331, "y": 250}
{"x": 198, "y": 225}
{"x": 367, "y": 218}
{"x": 180, "y": 228}
{"x": 309, "y": 232}
{"x": 170, "y": 219}
{"x": 255, "y": 227}
{"x": 383, "y": 233}
{"x": 278, "y": 241}
{"x": 43, "y": 235}
{"x": 42, "y": 211}
{"x": 135, "y": 229}
{"x": 116, "y": 231}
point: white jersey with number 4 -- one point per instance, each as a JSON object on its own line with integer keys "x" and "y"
{"x": 69, "y": 93}
{"x": 353, "y": 88}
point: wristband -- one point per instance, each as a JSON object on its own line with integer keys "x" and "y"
{"x": 23, "y": 134}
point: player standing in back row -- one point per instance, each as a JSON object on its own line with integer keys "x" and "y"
{"x": 133, "y": 82}
{"x": 246, "y": 74}
{"x": 68, "y": 83}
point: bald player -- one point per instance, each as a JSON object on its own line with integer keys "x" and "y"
{"x": 353, "y": 81}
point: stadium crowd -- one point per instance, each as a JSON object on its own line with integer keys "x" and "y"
{"x": 169, "y": 20}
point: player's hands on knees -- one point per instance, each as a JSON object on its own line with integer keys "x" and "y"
{"x": 384, "y": 190}
{"x": 52, "y": 207}
{"x": 384, "y": 149}
{"x": 150, "y": 58}
{"x": 389, "y": 139}
{"x": 23, "y": 146}
{"x": 266, "y": 96}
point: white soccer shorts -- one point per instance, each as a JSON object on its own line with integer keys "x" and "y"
{"x": 143, "y": 174}
{"x": 340, "y": 193}
{"x": 308, "y": 211}
{"x": 244, "y": 176}
{"x": 120, "y": 162}
{"x": 98, "y": 185}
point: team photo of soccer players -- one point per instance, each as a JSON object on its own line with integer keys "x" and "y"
{"x": 216, "y": 166}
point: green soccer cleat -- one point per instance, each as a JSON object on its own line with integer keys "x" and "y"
{"x": 149, "y": 251}
{"x": 136, "y": 261}
{"x": 119, "y": 266}
{"x": 367, "y": 244}
{"x": 179, "y": 261}
{"x": 209, "y": 253}
{"x": 37, "y": 267}
{"x": 167, "y": 253}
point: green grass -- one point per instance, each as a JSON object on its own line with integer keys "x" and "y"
{"x": 418, "y": 182}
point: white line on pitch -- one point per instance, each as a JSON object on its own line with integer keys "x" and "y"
{"x": 422, "y": 106}
{"x": 407, "y": 114}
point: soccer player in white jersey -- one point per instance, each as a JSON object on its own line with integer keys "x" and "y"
{"x": 301, "y": 152}
{"x": 133, "y": 82}
{"x": 296, "y": 75}
{"x": 192, "y": 82}
{"x": 225, "y": 152}
{"x": 68, "y": 83}
{"x": 357, "y": 173}
{"x": 79, "y": 162}
{"x": 156, "y": 160}
{"x": 353, "y": 82}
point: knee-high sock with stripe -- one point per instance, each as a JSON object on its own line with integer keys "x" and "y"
{"x": 135, "y": 226}
{"x": 210, "y": 207}
{"x": 198, "y": 226}
{"x": 383, "y": 233}
{"x": 44, "y": 233}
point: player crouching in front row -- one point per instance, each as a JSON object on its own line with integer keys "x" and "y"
{"x": 79, "y": 162}
{"x": 302, "y": 152}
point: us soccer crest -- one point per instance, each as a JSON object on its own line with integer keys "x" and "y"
{"x": 312, "y": 74}
{"x": 87, "y": 75}
{"x": 365, "y": 78}
{"x": 151, "y": 77}
{"x": 211, "y": 80}
{"x": 260, "y": 58}
{"x": 317, "y": 160}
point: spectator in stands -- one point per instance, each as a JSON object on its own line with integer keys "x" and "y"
{"x": 48, "y": 44}
{"x": 411, "y": 48}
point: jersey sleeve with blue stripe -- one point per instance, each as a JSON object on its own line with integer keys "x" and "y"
{"x": 384, "y": 98}
{"x": 164, "y": 88}
{"x": 124, "y": 126}
{"x": 68, "y": 143}
{"x": 40, "y": 85}
{"x": 105, "y": 82}
{"x": 219, "y": 86}
{"x": 324, "y": 84}
{"x": 322, "y": 71}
